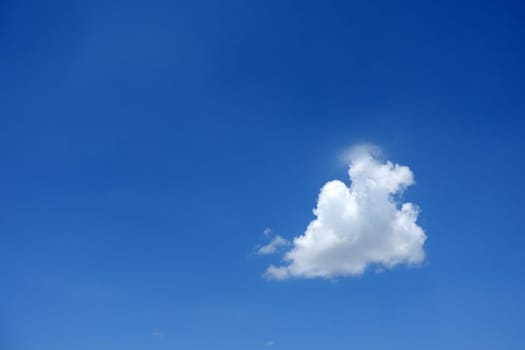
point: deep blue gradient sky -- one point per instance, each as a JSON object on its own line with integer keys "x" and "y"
{"x": 145, "y": 146}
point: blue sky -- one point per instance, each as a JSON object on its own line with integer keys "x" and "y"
{"x": 146, "y": 146}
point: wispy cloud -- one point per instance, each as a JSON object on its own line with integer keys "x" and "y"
{"x": 275, "y": 244}
{"x": 157, "y": 334}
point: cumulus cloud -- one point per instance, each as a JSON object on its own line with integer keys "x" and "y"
{"x": 358, "y": 225}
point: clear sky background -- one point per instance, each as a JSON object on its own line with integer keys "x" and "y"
{"x": 145, "y": 147}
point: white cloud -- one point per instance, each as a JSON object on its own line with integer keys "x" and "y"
{"x": 275, "y": 244}
{"x": 269, "y": 343}
{"x": 157, "y": 334}
{"x": 358, "y": 225}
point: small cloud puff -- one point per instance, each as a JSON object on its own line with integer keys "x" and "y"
{"x": 358, "y": 225}
{"x": 274, "y": 245}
